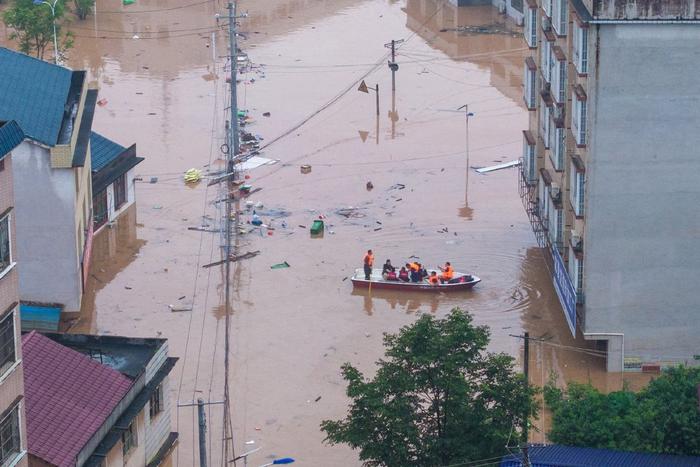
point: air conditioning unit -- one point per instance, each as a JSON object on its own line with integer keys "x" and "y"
{"x": 502, "y": 8}
{"x": 520, "y": 20}
{"x": 555, "y": 190}
{"x": 576, "y": 238}
{"x": 546, "y": 24}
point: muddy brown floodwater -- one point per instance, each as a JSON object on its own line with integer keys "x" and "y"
{"x": 293, "y": 328}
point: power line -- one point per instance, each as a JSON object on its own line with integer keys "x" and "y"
{"x": 122, "y": 12}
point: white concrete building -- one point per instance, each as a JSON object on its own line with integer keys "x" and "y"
{"x": 610, "y": 170}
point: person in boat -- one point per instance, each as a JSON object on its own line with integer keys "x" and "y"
{"x": 433, "y": 278}
{"x": 447, "y": 272}
{"x": 387, "y": 268}
{"x": 415, "y": 272}
{"x": 369, "y": 262}
{"x": 423, "y": 271}
{"x": 403, "y": 275}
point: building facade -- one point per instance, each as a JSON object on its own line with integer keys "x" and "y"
{"x": 52, "y": 175}
{"x": 13, "y": 437}
{"x": 609, "y": 170}
{"x": 99, "y": 401}
{"x": 113, "y": 173}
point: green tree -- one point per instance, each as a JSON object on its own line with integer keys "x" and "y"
{"x": 663, "y": 417}
{"x": 83, "y": 7}
{"x": 438, "y": 398}
{"x": 32, "y": 26}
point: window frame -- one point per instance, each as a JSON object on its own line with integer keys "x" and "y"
{"x": 16, "y": 434}
{"x": 120, "y": 201}
{"x": 580, "y": 48}
{"x": 559, "y": 148}
{"x": 578, "y": 120}
{"x": 530, "y": 29}
{"x": 530, "y": 161}
{"x": 130, "y": 438}
{"x": 10, "y": 263}
{"x": 155, "y": 402}
{"x": 577, "y": 190}
{"x": 7, "y": 364}
{"x": 530, "y": 94}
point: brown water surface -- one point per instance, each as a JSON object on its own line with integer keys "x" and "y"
{"x": 293, "y": 328}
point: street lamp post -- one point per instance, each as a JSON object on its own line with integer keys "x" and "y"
{"x": 53, "y": 16}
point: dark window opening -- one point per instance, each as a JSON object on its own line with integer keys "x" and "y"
{"x": 119, "y": 192}
{"x": 9, "y": 436}
{"x": 101, "y": 209}
{"x": 156, "y": 402}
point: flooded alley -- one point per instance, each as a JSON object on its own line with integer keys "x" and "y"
{"x": 161, "y": 66}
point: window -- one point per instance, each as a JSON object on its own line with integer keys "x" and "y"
{"x": 5, "y": 244}
{"x": 7, "y": 342}
{"x": 156, "y": 402}
{"x": 559, "y": 149}
{"x": 543, "y": 202}
{"x": 119, "y": 192}
{"x": 545, "y": 56}
{"x": 9, "y": 436}
{"x": 560, "y": 16}
{"x": 576, "y": 274}
{"x": 545, "y": 123}
{"x": 577, "y": 189}
{"x": 129, "y": 438}
{"x": 101, "y": 211}
{"x": 547, "y": 7}
{"x": 578, "y": 121}
{"x": 556, "y": 226}
{"x": 580, "y": 48}
{"x": 517, "y": 5}
{"x": 559, "y": 81}
{"x": 529, "y": 162}
{"x": 530, "y": 29}
{"x": 530, "y": 84}
{"x": 2, "y": 164}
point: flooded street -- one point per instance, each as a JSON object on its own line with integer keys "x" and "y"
{"x": 293, "y": 328}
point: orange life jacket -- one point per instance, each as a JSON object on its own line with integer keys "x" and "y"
{"x": 433, "y": 280}
{"x": 369, "y": 260}
{"x": 448, "y": 272}
{"x": 415, "y": 267}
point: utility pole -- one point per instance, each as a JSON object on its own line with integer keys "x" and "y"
{"x": 393, "y": 66}
{"x": 202, "y": 433}
{"x": 526, "y": 370}
{"x": 233, "y": 150}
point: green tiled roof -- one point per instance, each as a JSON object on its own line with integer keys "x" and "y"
{"x": 103, "y": 151}
{"x": 33, "y": 93}
{"x": 10, "y": 137}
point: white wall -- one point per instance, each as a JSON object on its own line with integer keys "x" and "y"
{"x": 46, "y": 232}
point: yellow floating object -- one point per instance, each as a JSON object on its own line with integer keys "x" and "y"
{"x": 193, "y": 176}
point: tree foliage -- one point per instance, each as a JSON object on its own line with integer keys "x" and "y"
{"x": 437, "y": 398}
{"x": 661, "y": 418}
{"x": 32, "y": 26}
{"x": 83, "y": 7}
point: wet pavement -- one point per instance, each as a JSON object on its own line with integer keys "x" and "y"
{"x": 294, "y": 327}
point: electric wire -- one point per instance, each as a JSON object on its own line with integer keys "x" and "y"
{"x": 122, "y": 12}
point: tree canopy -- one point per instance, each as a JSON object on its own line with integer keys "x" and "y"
{"x": 32, "y": 26}
{"x": 438, "y": 398}
{"x": 662, "y": 418}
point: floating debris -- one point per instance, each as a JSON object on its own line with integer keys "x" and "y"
{"x": 505, "y": 165}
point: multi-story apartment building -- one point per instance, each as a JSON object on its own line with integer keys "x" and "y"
{"x": 13, "y": 438}
{"x": 610, "y": 170}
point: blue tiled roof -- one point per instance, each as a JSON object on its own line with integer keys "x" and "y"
{"x": 568, "y": 456}
{"x": 10, "y": 136}
{"x": 103, "y": 151}
{"x": 33, "y": 93}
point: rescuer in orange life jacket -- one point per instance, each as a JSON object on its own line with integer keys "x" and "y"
{"x": 447, "y": 272}
{"x": 369, "y": 262}
{"x": 433, "y": 278}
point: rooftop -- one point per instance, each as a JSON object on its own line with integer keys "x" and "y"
{"x": 10, "y": 136}
{"x": 568, "y": 456}
{"x": 103, "y": 151}
{"x": 68, "y": 397}
{"x": 127, "y": 355}
{"x": 39, "y": 95}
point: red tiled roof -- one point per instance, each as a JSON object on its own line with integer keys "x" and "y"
{"x": 68, "y": 396}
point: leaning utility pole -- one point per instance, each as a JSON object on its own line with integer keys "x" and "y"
{"x": 393, "y": 66}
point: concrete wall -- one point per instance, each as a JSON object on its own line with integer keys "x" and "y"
{"x": 12, "y": 381}
{"x": 45, "y": 201}
{"x": 642, "y": 261}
